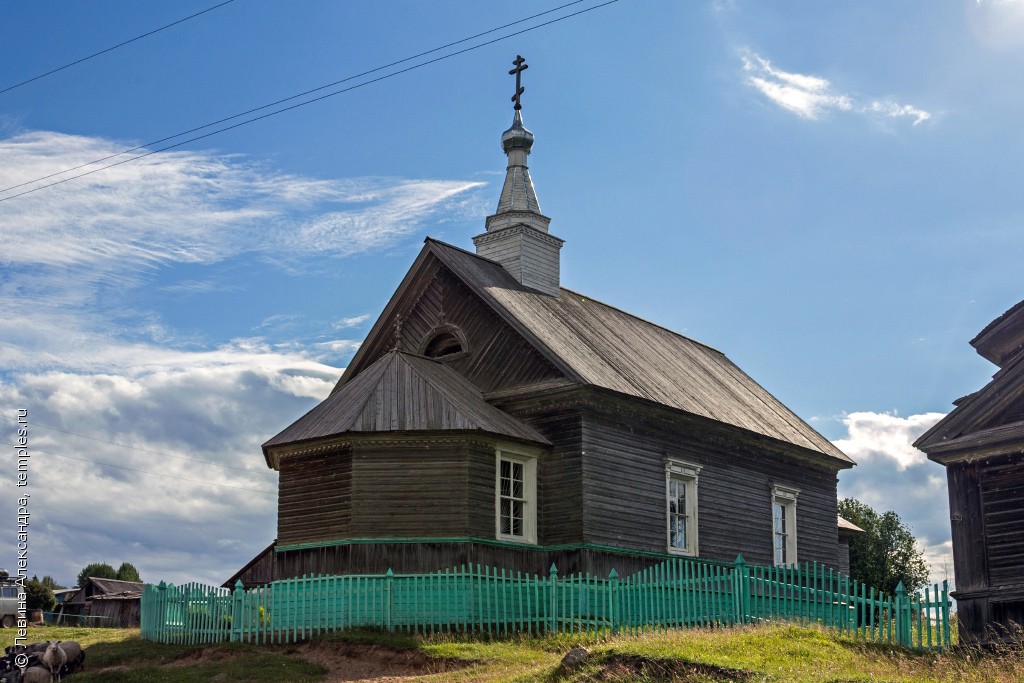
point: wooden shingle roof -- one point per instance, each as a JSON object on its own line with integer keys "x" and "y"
{"x": 402, "y": 392}
{"x": 597, "y": 344}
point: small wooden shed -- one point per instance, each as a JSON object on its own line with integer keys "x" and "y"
{"x": 102, "y": 602}
{"x": 981, "y": 443}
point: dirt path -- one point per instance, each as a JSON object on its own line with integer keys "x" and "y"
{"x": 343, "y": 661}
{"x": 370, "y": 663}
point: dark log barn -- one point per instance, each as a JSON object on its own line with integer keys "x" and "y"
{"x": 981, "y": 443}
{"x": 493, "y": 416}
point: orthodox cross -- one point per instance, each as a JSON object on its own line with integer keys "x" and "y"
{"x": 521, "y": 66}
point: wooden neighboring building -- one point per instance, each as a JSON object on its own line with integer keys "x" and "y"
{"x": 102, "y": 602}
{"x": 981, "y": 443}
{"x": 492, "y": 416}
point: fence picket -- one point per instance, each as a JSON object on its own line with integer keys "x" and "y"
{"x": 677, "y": 593}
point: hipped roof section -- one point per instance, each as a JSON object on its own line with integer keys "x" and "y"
{"x": 402, "y": 392}
{"x": 593, "y": 343}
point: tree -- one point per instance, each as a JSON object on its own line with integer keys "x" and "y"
{"x": 39, "y": 596}
{"x": 128, "y": 572}
{"x": 51, "y": 583}
{"x": 886, "y": 553}
{"x": 101, "y": 570}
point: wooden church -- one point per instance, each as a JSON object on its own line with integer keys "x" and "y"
{"x": 493, "y": 416}
{"x": 981, "y": 443}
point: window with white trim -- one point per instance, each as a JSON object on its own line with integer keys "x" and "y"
{"x": 784, "y": 525}
{"x": 515, "y": 499}
{"x": 681, "y": 506}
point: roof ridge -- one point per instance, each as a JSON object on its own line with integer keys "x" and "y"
{"x": 464, "y": 251}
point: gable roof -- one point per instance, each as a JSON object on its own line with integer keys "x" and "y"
{"x": 596, "y": 344}
{"x": 989, "y": 421}
{"x": 403, "y": 392}
{"x": 1003, "y": 338}
{"x": 97, "y": 587}
{"x": 111, "y": 586}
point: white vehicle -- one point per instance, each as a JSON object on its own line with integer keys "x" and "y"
{"x": 10, "y": 594}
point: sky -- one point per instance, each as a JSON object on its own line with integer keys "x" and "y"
{"x": 826, "y": 192}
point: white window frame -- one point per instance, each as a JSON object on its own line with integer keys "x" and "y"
{"x": 785, "y": 497}
{"x": 529, "y": 463}
{"x": 687, "y": 474}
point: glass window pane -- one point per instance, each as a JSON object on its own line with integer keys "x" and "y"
{"x": 518, "y": 509}
{"x": 506, "y": 516}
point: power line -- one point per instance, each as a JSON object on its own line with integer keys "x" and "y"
{"x": 133, "y": 469}
{"x": 294, "y": 106}
{"x": 136, "y": 448}
{"x": 290, "y": 98}
{"x": 97, "y": 54}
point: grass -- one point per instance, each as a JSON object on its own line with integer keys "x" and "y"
{"x": 748, "y": 654}
{"x": 128, "y": 658}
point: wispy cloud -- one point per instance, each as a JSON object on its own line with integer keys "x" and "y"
{"x": 895, "y": 111}
{"x": 78, "y": 358}
{"x": 807, "y": 96}
{"x": 193, "y": 207}
{"x": 812, "y": 97}
{"x": 353, "y": 321}
{"x": 385, "y": 214}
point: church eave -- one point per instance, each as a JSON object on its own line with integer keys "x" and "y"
{"x": 422, "y": 438}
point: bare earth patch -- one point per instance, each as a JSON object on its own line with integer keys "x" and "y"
{"x": 632, "y": 667}
{"x": 203, "y": 655}
{"x": 370, "y": 663}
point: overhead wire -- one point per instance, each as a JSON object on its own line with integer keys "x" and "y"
{"x": 289, "y": 98}
{"x": 109, "y": 49}
{"x": 300, "y": 104}
{"x": 136, "y": 448}
{"x": 134, "y": 469}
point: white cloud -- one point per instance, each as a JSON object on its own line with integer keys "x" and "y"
{"x": 812, "y": 97}
{"x": 884, "y": 435}
{"x": 352, "y": 321}
{"x": 190, "y": 207}
{"x": 215, "y": 406}
{"x": 893, "y": 475}
{"x": 893, "y": 110}
{"x": 807, "y": 96}
{"x": 389, "y": 213}
{"x": 78, "y": 359}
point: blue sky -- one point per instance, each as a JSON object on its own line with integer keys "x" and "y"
{"x": 826, "y": 192}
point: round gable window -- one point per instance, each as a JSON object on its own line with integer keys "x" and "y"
{"x": 443, "y": 344}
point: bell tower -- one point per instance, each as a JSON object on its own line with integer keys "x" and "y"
{"x": 517, "y": 234}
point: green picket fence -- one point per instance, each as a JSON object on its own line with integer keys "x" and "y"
{"x": 677, "y": 593}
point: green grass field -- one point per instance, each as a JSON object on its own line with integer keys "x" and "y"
{"x": 763, "y": 653}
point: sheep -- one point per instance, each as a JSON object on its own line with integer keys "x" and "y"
{"x": 12, "y": 660}
{"x": 75, "y": 656}
{"x": 39, "y": 648}
{"x": 33, "y": 674}
{"x": 54, "y": 659}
